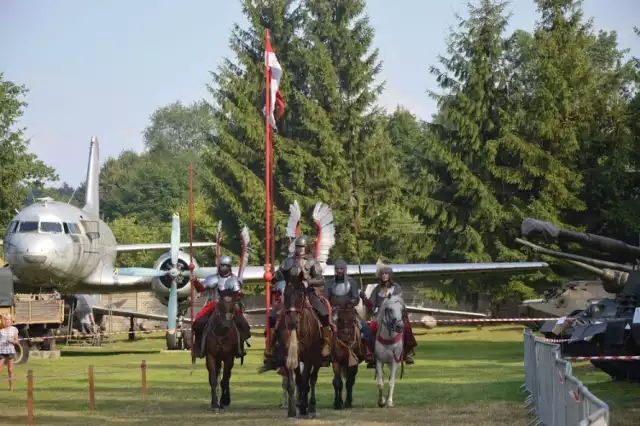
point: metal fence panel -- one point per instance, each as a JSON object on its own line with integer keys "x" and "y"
{"x": 554, "y": 396}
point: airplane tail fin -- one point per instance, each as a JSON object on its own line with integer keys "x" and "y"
{"x": 92, "y": 197}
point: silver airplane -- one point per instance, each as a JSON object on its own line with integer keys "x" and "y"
{"x": 57, "y": 245}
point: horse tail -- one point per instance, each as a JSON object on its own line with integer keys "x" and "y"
{"x": 292, "y": 354}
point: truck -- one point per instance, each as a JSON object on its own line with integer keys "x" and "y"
{"x": 36, "y": 316}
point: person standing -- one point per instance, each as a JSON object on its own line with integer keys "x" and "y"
{"x": 8, "y": 340}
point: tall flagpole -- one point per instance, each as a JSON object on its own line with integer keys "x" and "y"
{"x": 191, "y": 266}
{"x": 268, "y": 192}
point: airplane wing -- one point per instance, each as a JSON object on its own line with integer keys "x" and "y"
{"x": 129, "y": 314}
{"x": 532, "y": 301}
{"x": 254, "y": 274}
{"x": 410, "y": 309}
{"x": 158, "y": 246}
{"x": 423, "y": 310}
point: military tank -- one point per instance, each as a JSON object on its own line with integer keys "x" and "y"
{"x": 606, "y": 327}
{"x": 564, "y": 301}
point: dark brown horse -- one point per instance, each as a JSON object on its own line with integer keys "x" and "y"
{"x": 347, "y": 352}
{"x": 221, "y": 339}
{"x": 302, "y": 341}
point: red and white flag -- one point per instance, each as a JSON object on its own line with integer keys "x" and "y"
{"x": 275, "y": 71}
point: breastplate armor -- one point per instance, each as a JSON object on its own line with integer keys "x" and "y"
{"x": 211, "y": 285}
{"x": 308, "y": 263}
{"x": 229, "y": 285}
{"x": 340, "y": 289}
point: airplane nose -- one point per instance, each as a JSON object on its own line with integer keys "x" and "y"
{"x": 37, "y": 247}
{"x": 33, "y": 252}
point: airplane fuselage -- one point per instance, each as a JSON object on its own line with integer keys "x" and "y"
{"x": 51, "y": 243}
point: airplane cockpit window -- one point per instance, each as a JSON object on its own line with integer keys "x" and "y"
{"x": 12, "y": 227}
{"x": 71, "y": 228}
{"x": 28, "y": 227}
{"x": 51, "y": 227}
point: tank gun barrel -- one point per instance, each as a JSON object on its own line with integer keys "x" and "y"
{"x": 550, "y": 232}
{"x": 613, "y": 275}
{"x": 576, "y": 258}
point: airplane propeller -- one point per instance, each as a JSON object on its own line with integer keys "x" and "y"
{"x": 173, "y": 272}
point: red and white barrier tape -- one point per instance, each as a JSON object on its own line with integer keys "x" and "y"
{"x": 604, "y": 358}
{"x": 491, "y": 320}
{"x": 438, "y": 322}
{"x": 86, "y": 336}
{"x": 544, "y": 339}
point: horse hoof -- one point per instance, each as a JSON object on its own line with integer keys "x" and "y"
{"x": 347, "y": 405}
{"x": 216, "y": 410}
{"x": 311, "y": 416}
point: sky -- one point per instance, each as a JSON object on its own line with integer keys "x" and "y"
{"x": 102, "y": 67}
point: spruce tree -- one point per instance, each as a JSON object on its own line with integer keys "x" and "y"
{"x": 235, "y": 158}
{"x": 470, "y": 115}
{"x": 556, "y": 101}
{"x": 472, "y": 166}
{"x": 364, "y": 167}
{"x": 608, "y": 156}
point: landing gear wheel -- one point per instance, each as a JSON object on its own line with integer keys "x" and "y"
{"x": 49, "y": 341}
{"x": 22, "y": 353}
{"x": 186, "y": 338}
{"x": 172, "y": 341}
{"x": 180, "y": 340}
{"x": 96, "y": 336}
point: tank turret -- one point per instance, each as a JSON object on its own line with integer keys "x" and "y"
{"x": 614, "y": 275}
{"x": 607, "y": 327}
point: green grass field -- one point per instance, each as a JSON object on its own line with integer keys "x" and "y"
{"x": 469, "y": 377}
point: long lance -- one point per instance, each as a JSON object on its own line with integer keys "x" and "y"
{"x": 356, "y": 210}
{"x": 355, "y": 205}
{"x": 268, "y": 205}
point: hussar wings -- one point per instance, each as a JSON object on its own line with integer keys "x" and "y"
{"x": 244, "y": 253}
{"x": 379, "y": 265}
{"x": 218, "y": 240}
{"x": 326, "y": 232}
{"x": 293, "y": 225}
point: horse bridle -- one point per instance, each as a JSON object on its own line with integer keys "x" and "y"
{"x": 391, "y": 323}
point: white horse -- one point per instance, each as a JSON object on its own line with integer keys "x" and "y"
{"x": 389, "y": 344}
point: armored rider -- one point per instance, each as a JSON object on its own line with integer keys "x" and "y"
{"x": 312, "y": 272}
{"x": 223, "y": 284}
{"x": 385, "y": 288}
{"x": 342, "y": 289}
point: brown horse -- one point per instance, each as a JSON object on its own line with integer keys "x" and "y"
{"x": 347, "y": 352}
{"x": 302, "y": 341}
{"x": 222, "y": 342}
